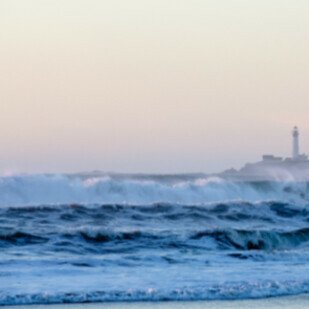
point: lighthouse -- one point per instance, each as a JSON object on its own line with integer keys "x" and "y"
{"x": 295, "y": 151}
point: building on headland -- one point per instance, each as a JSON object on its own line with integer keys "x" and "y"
{"x": 273, "y": 167}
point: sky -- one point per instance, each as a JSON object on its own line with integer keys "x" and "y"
{"x": 151, "y": 86}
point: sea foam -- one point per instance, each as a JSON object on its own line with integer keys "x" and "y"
{"x": 63, "y": 189}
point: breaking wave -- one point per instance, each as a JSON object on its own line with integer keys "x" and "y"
{"x": 230, "y": 291}
{"x": 229, "y": 239}
{"x": 64, "y": 189}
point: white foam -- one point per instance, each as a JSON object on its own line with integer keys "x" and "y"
{"x": 61, "y": 189}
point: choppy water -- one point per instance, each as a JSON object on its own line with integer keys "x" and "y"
{"x": 77, "y": 239}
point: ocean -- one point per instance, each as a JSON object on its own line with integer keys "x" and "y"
{"x": 123, "y": 238}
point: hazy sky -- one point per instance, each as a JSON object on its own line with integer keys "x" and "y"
{"x": 151, "y": 86}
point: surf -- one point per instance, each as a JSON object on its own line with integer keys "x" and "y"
{"x": 52, "y": 189}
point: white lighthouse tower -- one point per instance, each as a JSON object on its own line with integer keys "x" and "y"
{"x": 295, "y": 153}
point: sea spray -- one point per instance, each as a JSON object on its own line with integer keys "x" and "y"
{"x": 43, "y": 189}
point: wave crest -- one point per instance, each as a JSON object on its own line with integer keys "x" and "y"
{"x": 30, "y": 190}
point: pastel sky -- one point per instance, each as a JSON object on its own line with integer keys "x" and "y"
{"x": 158, "y": 86}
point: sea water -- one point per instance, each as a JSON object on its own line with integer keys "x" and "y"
{"x": 77, "y": 238}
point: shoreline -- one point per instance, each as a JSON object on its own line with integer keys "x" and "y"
{"x": 293, "y": 302}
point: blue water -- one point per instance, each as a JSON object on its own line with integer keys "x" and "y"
{"x": 128, "y": 238}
